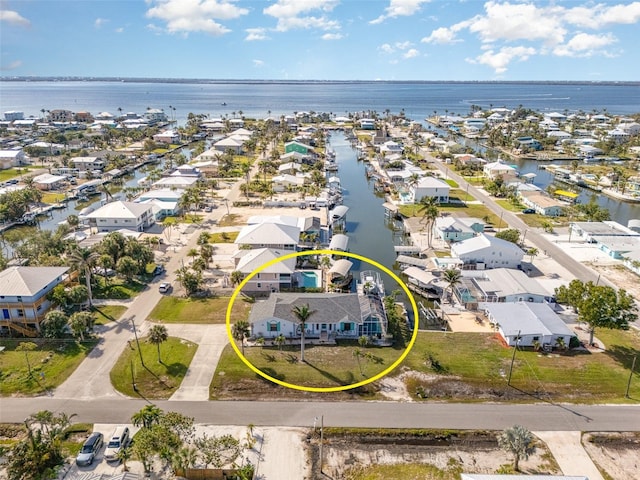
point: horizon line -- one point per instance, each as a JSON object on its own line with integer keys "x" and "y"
{"x": 250, "y": 80}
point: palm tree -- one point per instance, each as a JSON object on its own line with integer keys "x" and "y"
{"x": 236, "y": 277}
{"x": 532, "y": 252}
{"x": 519, "y": 441}
{"x": 84, "y": 259}
{"x": 158, "y": 335}
{"x": 430, "y": 212}
{"x": 280, "y": 340}
{"x": 302, "y": 314}
{"x": 451, "y": 277}
{"x": 147, "y": 416}
{"x": 240, "y": 331}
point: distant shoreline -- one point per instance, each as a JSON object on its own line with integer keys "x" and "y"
{"x": 335, "y": 82}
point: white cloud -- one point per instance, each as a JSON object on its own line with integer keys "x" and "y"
{"x": 99, "y": 22}
{"x": 256, "y": 34}
{"x": 11, "y": 66}
{"x": 119, "y": 30}
{"x": 502, "y": 58}
{"x": 14, "y": 18}
{"x": 550, "y": 29}
{"x": 184, "y": 16}
{"x": 292, "y": 14}
{"x": 411, "y": 53}
{"x": 399, "y": 8}
{"x": 332, "y": 36}
{"x": 386, "y": 48}
{"x": 585, "y": 45}
{"x": 442, "y": 36}
{"x": 258, "y": 63}
{"x": 515, "y": 22}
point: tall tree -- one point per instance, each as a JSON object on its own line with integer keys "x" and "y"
{"x": 240, "y": 331}
{"x": 518, "y": 441}
{"x": 84, "y": 259}
{"x": 429, "y": 210}
{"x": 147, "y": 416}
{"x": 80, "y": 323}
{"x": 302, "y": 314}
{"x": 158, "y": 335}
{"x": 599, "y": 305}
{"x": 451, "y": 277}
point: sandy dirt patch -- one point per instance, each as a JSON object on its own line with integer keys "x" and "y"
{"x": 614, "y": 453}
{"x": 476, "y": 452}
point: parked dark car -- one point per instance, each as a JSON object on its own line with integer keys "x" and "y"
{"x": 528, "y": 210}
{"x": 90, "y": 449}
{"x": 159, "y": 270}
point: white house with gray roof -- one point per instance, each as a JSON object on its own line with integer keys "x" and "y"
{"x": 23, "y": 297}
{"x": 269, "y": 235}
{"x": 485, "y": 251}
{"x": 270, "y": 279}
{"x": 119, "y": 214}
{"x": 335, "y": 315}
{"x": 431, "y": 187}
{"x": 527, "y": 323}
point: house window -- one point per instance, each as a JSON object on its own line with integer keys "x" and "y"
{"x": 274, "y": 327}
{"x": 347, "y": 327}
{"x": 20, "y": 312}
{"x": 536, "y": 339}
{"x": 259, "y": 285}
{"x": 258, "y": 275}
{"x": 39, "y": 308}
{"x": 19, "y": 299}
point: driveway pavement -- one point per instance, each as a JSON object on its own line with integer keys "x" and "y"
{"x": 571, "y": 456}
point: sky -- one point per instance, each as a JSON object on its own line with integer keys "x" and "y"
{"x": 439, "y": 40}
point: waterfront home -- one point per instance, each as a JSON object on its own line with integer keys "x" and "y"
{"x": 60, "y": 116}
{"x": 430, "y": 187}
{"x": 367, "y": 124}
{"x": 590, "y": 232}
{"x": 11, "y": 158}
{"x": 499, "y": 285}
{"x": 85, "y": 164}
{"x": 164, "y": 202}
{"x": 286, "y": 182}
{"x": 186, "y": 170}
{"x": 486, "y": 251}
{"x": 527, "y": 324}
{"x": 335, "y": 316}
{"x": 118, "y": 214}
{"x": 23, "y": 297}
{"x": 307, "y": 225}
{"x": 46, "y": 181}
{"x": 468, "y": 160}
{"x": 494, "y": 170}
{"x": 542, "y": 203}
{"x": 290, "y": 168}
{"x": 298, "y": 147}
{"x": 296, "y": 157}
{"x": 269, "y": 235}
{"x": 176, "y": 182}
{"x": 12, "y": 115}
{"x": 229, "y": 143}
{"x": 390, "y": 147}
{"x": 155, "y": 115}
{"x": 272, "y": 278}
{"x": 451, "y": 229}
{"x": 167, "y": 137}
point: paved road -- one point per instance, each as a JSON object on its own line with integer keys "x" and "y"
{"x": 539, "y": 417}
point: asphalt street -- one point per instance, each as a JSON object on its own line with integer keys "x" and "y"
{"x": 539, "y": 416}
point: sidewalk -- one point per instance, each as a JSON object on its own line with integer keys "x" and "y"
{"x": 571, "y": 456}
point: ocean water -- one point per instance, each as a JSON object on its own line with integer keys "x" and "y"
{"x": 259, "y": 99}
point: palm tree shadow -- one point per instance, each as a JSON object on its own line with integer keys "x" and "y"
{"x": 551, "y": 402}
{"x": 325, "y": 374}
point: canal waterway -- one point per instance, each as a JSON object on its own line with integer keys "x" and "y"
{"x": 371, "y": 233}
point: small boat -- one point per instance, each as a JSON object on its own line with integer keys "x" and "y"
{"x": 224, "y": 104}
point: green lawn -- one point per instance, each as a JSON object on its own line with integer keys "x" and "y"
{"x": 468, "y": 367}
{"x": 325, "y": 366}
{"x": 53, "y": 197}
{"x": 231, "y": 220}
{"x": 10, "y": 173}
{"x": 155, "y": 380}
{"x": 55, "y": 359}
{"x": 482, "y": 362}
{"x": 223, "y": 237}
{"x": 423, "y": 471}
{"x": 108, "y": 313}
{"x": 116, "y": 288}
{"x": 206, "y": 310}
{"x": 459, "y": 210}
{"x": 509, "y": 206}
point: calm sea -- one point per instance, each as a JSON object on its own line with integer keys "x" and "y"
{"x": 258, "y": 99}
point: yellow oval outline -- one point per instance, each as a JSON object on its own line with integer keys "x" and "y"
{"x": 323, "y": 389}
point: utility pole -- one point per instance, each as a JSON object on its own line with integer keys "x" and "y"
{"x": 513, "y": 358}
{"x": 633, "y": 366}
{"x": 133, "y": 378}
{"x": 321, "y": 439}
{"x": 135, "y": 332}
